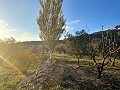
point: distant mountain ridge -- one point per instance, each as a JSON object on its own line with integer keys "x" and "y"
{"x": 112, "y": 31}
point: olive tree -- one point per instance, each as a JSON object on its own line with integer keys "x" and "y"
{"x": 51, "y": 23}
{"x": 76, "y": 45}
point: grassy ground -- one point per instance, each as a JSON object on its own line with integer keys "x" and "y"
{"x": 13, "y": 72}
{"x": 85, "y": 78}
{"x": 72, "y": 77}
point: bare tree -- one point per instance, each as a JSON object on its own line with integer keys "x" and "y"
{"x": 104, "y": 47}
{"x": 51, "y": 23}
{"x": 116, "y": 47}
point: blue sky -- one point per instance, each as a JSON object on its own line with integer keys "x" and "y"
{"x": 18, "y": 17}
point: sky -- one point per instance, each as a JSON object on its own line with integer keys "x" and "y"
{"x": 18, "y": 17}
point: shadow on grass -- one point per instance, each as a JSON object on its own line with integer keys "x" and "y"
{"x": 65, "y": 60}
{"x": 71, "y": 62}
{"x": 73, "y": 81}
{"x": 73, "y": 78}
{"x": 81, "y": 78}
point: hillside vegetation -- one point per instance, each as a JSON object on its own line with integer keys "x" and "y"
{"x": 25, "y": 65}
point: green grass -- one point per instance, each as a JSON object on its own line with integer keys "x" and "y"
{"x": 73, "y": 77}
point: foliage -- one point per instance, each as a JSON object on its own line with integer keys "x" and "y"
{"x": 29, "y": 57}
{"x": 76, "y": 45}
{"x": 10, "y": 78}
{"x": 51, "y": 23}
{"x": 60, "y": 48}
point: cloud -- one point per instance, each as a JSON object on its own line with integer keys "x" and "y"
{"x": 11, "y": 30}
{"x": 68, "y": 28}
{"x": 69, "y": 25}
{"x": 6, "y": 31}
{"x": 3, "y": 24}
{"x": 26, "y": 37}
{"x": 73, "y": 22}
{"x": 76, "y": 21}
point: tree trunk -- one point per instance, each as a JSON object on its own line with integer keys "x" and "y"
{"x": 99, "y": 75}
{"x": 78, "y": 61}
{"x": 113, "y": 63}
{"x": 99, "y": 72}
{"x": 51, "y": 54}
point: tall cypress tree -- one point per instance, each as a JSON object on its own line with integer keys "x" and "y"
{"x": 51, "y": 23}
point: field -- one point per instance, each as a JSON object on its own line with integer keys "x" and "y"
{"x": 51, "y": 46}
{"x": 69, "y": 76}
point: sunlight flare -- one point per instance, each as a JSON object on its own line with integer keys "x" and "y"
{"x": 10, "y": 64}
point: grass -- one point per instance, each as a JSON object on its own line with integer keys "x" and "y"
{"x": 72, "y": 78}
{"x": 86, "y": 78}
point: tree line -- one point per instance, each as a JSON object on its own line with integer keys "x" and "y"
{"x": 104, "y": 45}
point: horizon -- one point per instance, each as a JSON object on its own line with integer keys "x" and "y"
{"x": 20, "y": 22}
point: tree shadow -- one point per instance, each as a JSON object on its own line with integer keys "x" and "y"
{"x": 71, "y": 62}
{"x": 81, "y": 78}
{"x": 74, "y": 81}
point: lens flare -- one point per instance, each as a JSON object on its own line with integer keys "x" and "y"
{"x": 10, "y": 64}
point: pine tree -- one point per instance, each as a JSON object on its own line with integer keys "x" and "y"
{"x": 51, "y": 23}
